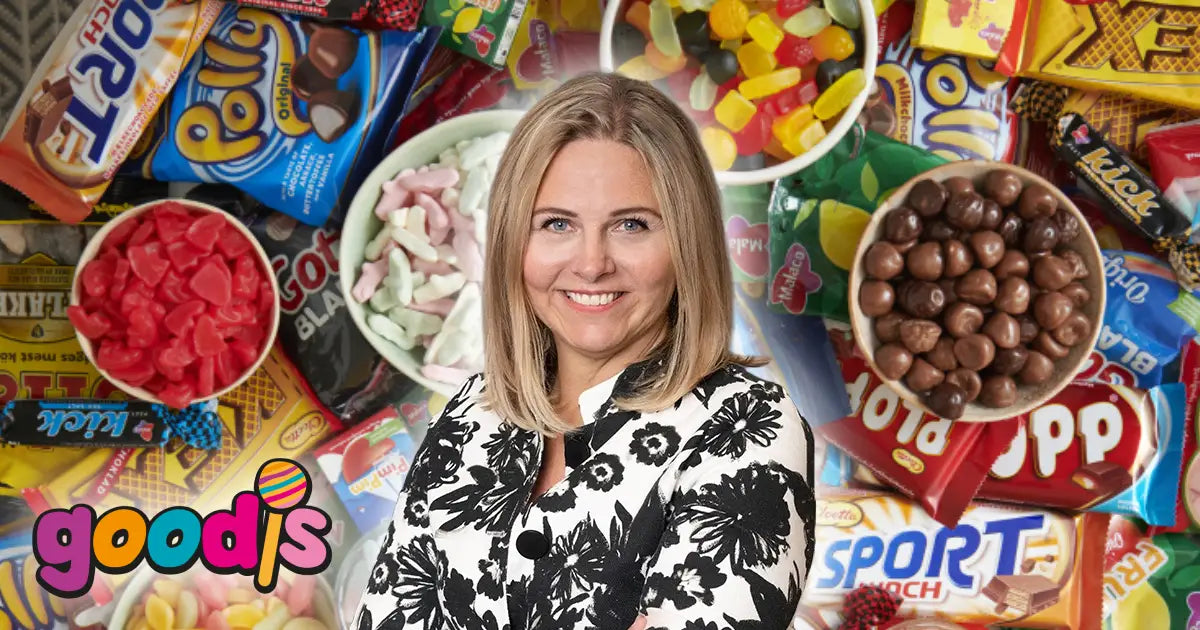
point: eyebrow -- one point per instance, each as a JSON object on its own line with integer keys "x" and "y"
{"x": 614, "y": 213}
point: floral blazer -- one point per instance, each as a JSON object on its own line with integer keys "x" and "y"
{"x": 699, "y": 517}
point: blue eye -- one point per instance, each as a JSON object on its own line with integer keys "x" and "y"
{"x": 556, "y": 224}
{"x": 633, "y": 225}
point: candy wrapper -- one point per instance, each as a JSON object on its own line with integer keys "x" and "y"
{"x": 102, "y": 80}
{"x": 1147, "y": 49}
{"x": 937, "y": 461}
{"x": 973, "y": 29}
{"x": 471, "y": 86}
{"x": 1187, "y": 516}
{"x": 817, "y": 217}
{"x": 376, "y": 14}
{"x": 1150, "y": 582}
{"x": 546, "y": 51}
{"x": 24, "y": 604}
{"x": 480, "y": 29}
{"x": 293, "y": 112}
{"x": 744, "y": 209}
{"x": 1174, "y": 154}
{"x": 92, "y": 423}
{"x": 1097, "y": 447}
{"x": 1004, "y": 566}
{"x": 368, "y": 464}
{"x": 949, "y": 105}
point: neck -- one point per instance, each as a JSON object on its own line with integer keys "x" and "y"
{"x": 579, "y": 372}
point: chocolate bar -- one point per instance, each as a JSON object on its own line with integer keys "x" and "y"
{"x": 1103, "y": 478}
{"x": 104, "y": 423}
{"x": 1133, "y": 196}
{"x": 1028, "y": 594}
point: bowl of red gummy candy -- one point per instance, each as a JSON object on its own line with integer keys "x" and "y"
{"x": 174, "y": 302}
{"x": 772, "y": 84}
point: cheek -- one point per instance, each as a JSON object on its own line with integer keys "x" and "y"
{"x": 655, "y": 269}
{"x": 537, "y": 268}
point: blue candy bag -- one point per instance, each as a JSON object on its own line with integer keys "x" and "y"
{"x": 294, "y": 112}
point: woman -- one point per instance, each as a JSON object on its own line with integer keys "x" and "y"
{"x": 615, "y": 465}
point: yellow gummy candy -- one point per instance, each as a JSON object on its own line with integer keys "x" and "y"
{"x": 720, "y": 147}
{"x": 159, "y": 614}
{"x": 243, "y": 615}
{"x": 734, "y": 111}
{"x": 770, "y": 83}
{"x": 168, "y": 590}
{"x": 788, "y": 126}
{"x": 240, "y": 596}
{"x": 836, "y": 97}
{"x": 755, "y": 60}
{"x": 274, "y": 620}
{"x": 762, "y": 29}
{"x": 187, "y": 610}
{"x": 273, "y": 603}
{"x": 640, "y": 68}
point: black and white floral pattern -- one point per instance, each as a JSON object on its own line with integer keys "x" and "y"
{"x": 699, "y": 517}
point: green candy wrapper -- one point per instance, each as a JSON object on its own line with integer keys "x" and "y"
{"x": 1150, "y": 582}
{"x": 817, "y": 216}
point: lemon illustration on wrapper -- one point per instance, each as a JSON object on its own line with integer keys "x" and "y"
{"x": 1143, "y": 607}
{"x": 841, "y": 227}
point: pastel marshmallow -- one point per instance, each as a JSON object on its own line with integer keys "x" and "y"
{"x": 418, "y": 245}
{"x": 395, "y": 195}
{"x": 374, "y": 248}
{"x": 440, "y": 307}
{"x": 388, "y": 329}
{"x": 444, "y": 374}
{"x": 439, "y": 286}
{"x": 439, "y": 267}
{"x": 415, "y": 322}
{"x": 473, "y": 195}
{"x": 468, "y": 256}
{"x": 430, "y": 180}
{"x": 384, "y": 299}
{"x": 372, "y": 274}
{"x": 400, "y": 276}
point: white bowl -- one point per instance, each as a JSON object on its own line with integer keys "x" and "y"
{"x": 769, "y": 174}
{"x": 93, "y": 248}
{"x": 362, "y": 225}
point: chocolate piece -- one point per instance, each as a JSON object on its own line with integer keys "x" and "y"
{"x": 962, "y": 319}
{"x": 938, "y": 230}
{"x": 922, "y": 376}
{"x": 1068, "y": 225}
{"x": 1102, "y": 478}
{"x": 921, "y": 299}
{"x": 927, "y": 197}
{"x": 1074, "y": 330}
{"x": 1052, "y": 273}
{"x": 1009, "y": 361}
{"x": 1037, "y": 369}
{"x": 332, "y": 112}
{"x": 958, "y": 258}
{"x": 1051, "y": 309}
{"x": 947, "y": 400}
{"x": 974, "y": 351}
{"x": 968, "y": 380}
{"x": 1003, "y": 330}
{"x": 978, "y": 286}
{"x": 919, "y": 335}
{"x": 1010, "y": 229}
{"x": 1029, "y": 327}
{"x": 925, "y": 262}
{"x": 887, "y": 326}
{"x": 882, "y": 261}
{"x": 307, "y": 80}
{"x": 1078, "y": 293}
{"x": 902, "y": 224}
{"x": 1041, "y": 235}
{"x": 1012, "y": 296}
{"x": 998, "y": 392}
{"x": 965, "y": 210}
{"x": 45, "y": 112}
{"x": 942, "y": 355}
{"x": 1012, "y": 264}
{"x": 992, "y": 215}
{"x": 1027, "y": 594}
{"x": 905, "y": 246}
{"x": 1047, "y": 345}
{"x": 332, "y": 50}
{"x": 947, "y": 285}
{"x": 1028, "y": 565}
{"x": 988, "y": 247}
{"x": 1036, "y": 201}
{"x": 1003, "y": 186}
{"x": 958, "y": 185}
{"x": 1078, "y": 267}
{"x": 876, "y": 297}
{"x": 893, "y": 360}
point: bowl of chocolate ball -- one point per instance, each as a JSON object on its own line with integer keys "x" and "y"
{"x": 977, "y": 291}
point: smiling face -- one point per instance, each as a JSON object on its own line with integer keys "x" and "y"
{"x": 598, "y": 267}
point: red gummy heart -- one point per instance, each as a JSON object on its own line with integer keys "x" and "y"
{"x": 143, "y": 330}
{"x": 205, "y": 376}
{"x": 225, "y": 368}
{"x": 147, "y": 262}
{"x": 132, "y": 301}
{"x": 204, "y": 232}
{"x": 245, "y": 352}
{"x": 115, "y": 356}
{"x": 233, "y": 243}
{"x": 175, "y": 354}
{"x": 245, "y": 278}
{"x": 173, "y": 289}
{"x": 206, "y": 339}
{"x": 181, "y": 318}
{"x": 142, "y": 234}
{"x": 92, "y": 326}
{"x": 212, "y": 282}
{"x": 177, "y": 395}
{"x": 121, "y": 233}
{"x": 137, "y": 376}
{"x": 120, "y": 278}
{"x": 96, "y": 277}
{"x": 183, "y": 255}
{"x": 170, "y": 226}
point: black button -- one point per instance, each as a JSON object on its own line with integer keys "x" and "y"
{"x": 532, "y": 544}
{"x": 575, "y": 450}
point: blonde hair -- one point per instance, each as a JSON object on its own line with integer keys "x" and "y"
{"x": 518, "y": 347}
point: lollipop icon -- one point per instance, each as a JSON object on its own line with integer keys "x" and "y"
{"x": 282, "y": 485}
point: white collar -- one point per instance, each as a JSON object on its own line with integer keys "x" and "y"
{"x": 594, "y": 397}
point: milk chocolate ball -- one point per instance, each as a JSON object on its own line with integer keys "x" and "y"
{"x": 998, "y": 392}
{"x": 927, "y": 197}
{"x": 962, "y": 319}
{"x": 1012, "y": 264}
{"x": 887, "y": 326}
{"x": 1029, "y": 327}
{"x": 974, "y": 352}
{"x": 1074, "y": 330}
{"x": 992, "y": 214}
{"x": 965, "y": 210}
{"x": 959, "y": 259}
{"x": 1036, "y": 201}
{"x": 1041, "y": 235}
{"x": 876, "y": 297}
{"x": 882, "y": 261}
{"x": 947, "y": 285}
{"x": 905, "y": 246}
{"x": 968, "y": 380}
{"x": 919, "y": 335}
{"x": 942, "y": 355}
{"x": 922, "y": 376}
{"x": 1049, "y": 346}
{"x": 1012, "y": 296}
{"x": 893, "y": 360}
{"x": 958, "y": 185}
{"x": 925, "y": 261}
{"x": 1078, "y": 294}
{"x": 1003, "y": 186}
{"x": 1038, "y": 369}
{"x": 921, "y": 299}
{"x": 1052, "y": 273}
{"x": 902, "y": 224}
{"x": 1003, "y": 330}
{"x": 1068, "y": 225}
{"x": 988, "y": 247}
{"x": 1009, "y": 361}
{"x": 947, "y": 400}
{"x": 1078, "y": 267}
{"x": 938, "y": 230}
{"x": 1011, "y": 229}
{"x": 1051, "y": 309}
{"x": 977, "y": 286}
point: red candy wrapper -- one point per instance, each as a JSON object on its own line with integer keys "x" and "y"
{"x": 1174, "y": 153}
{"x": 939, "y": 462}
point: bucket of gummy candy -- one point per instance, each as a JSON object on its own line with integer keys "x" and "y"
{"x": 772, "y": 85}
{"x": 174, "y": 302}
{"x": 200, "y": 599}
{"x": 411, "y": 254}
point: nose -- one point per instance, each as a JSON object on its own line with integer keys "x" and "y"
{"x": 592, "y": 260}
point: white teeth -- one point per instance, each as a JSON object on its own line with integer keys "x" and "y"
{"x": 592, "y": 299}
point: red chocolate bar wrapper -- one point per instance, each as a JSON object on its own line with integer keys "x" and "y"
{"x": 1097, "y": 446}
{"x": 374, "y": 14}
{"x": 937, "y": 461}
{"x": 1187, "y": 514}
{"x": 1007, "y": 566}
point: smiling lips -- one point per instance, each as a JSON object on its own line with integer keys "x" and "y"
{"x": 593, "y": 300}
